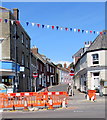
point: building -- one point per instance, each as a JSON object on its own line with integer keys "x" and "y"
{"x": 33, "y": 72}
{"x": 46, "y": 70}
{"x": 15, "y": 51}
{"x": 51, "y": 73}
{"x": 40, "y": 80}
{"x": 63, "y": 74}
{"x": 91, "y": 67}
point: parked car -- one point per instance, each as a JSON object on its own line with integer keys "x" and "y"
{"x": 3, "y": 88}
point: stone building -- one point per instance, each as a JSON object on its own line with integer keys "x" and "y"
{"x": 15, "y": 51}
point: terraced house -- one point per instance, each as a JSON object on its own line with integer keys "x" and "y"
{"x": 91, "y": 65}
{"x": 15, "y": 51}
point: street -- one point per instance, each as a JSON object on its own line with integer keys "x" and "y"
{"x": 78, "y": 107}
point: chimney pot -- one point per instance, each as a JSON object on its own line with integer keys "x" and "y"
{"x": 16, "y": 13}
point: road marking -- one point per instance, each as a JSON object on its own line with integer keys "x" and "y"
{"x": 78, "y": 111}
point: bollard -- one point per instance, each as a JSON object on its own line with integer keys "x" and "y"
{"x": 13, "y": 107}
{"x": 88, "y": 97}
{"x": 50, "y": 103}
{"x": 63, "y": 103}
{"x": 25, "y": 104}
{"x": 92, "y": 98}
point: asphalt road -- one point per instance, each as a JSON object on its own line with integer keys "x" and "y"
{"x": 78, "y": 107}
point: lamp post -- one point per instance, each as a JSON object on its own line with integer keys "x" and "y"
{"x": 16, "y": 76}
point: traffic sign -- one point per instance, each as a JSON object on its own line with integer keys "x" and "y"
{"x": 35, "y": 75}
{"x": 71, "y": 73}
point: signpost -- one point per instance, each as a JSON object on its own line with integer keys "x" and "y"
{"x": 72, "y": 74}
{"x": 35, "y": 75}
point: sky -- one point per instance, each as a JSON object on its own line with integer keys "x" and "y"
{"x": 60, "y": 45}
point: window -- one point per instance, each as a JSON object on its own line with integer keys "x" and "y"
{"x": 50, "y": 69}
{"x": 47, "y": 67}
{"x": 17, "y": 59}
{"x": 95, "y": 58}
{"x": 40, "y": 78}
{"x": 27, "y": 62}
{"x": 27, "y": 43}
{"x": 47, "y": 78}
{"x": 41, "y": 67}
{"x": 23, "y": 59}
{"x": 53, "y": 70}
{"x": 15, "y": 29}
{"x": 22, "y": 38}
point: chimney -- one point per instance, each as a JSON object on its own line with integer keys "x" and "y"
{"x": 34, "y": 50}
{"x": 65, "y": 65}
{"x": 16, "y": 13}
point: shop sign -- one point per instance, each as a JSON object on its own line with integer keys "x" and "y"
{"x": 22, "y": 69}
{"x": 9, "y": 90}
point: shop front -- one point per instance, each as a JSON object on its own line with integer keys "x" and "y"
{"x": 8, "y": 73}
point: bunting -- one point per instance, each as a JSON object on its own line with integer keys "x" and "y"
{"x": 53, "y": 27}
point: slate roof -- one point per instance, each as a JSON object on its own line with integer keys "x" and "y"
{"x": 99, "y": 43}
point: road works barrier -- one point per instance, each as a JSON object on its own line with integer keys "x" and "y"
{"x": 91, "y": 95}
{"x": 33, "y": 99}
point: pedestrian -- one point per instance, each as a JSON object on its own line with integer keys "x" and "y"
{"x": 69, "y": 90}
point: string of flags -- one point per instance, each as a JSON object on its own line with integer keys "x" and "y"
{"x": 53, "y": 27}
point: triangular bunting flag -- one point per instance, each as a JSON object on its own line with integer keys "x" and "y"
{"x": 0, "y": 20}
{"x": 66, "y": 29}
{"x": 33, "y": 24}
{"x": 57, "y": 27}
{"x": 75, "y": 30}
{"x": 90, "y": 31}
{"x": 27, "y": 23}
{"x": 38, "y": 25}
{"x": 86, "y": 31}
{"x": 97, "y": 32}
{"x": 61, "y": 28}
{"x": 101, "y": 33}
{"x": 48, "y": 26}
{"x": 43, "y": 26}
{"x": 17, "y": 22}
{"x": 94, "y": 32}
{"x": 78, "y": 30}
{"x": 53, "y": 27}
{"x": 5, "y": 20}
{"x": 12, "y": 22}
{"x": 82, "y": 31}
{"x": 70, "y": 29}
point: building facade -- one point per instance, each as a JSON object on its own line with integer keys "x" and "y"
{"x": 63, "y": 74}
{"x": 91, "y": 67}
{"x": 15, "y": 52}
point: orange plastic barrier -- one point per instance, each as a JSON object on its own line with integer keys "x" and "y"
{"x": 92, "y": 93}
{"x": 28, "y": 99}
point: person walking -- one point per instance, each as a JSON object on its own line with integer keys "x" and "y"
{"x": 69, "y": 90}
